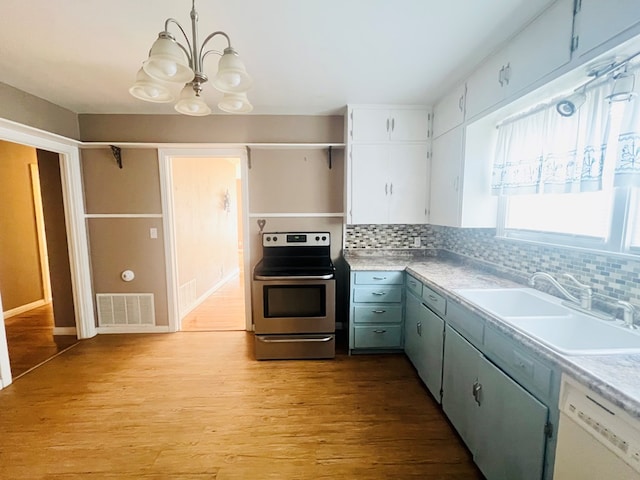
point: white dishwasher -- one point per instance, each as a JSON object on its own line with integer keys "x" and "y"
{"x": 596, "y": 439}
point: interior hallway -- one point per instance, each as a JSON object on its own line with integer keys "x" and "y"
{"x": 185, "y": 406}
{"x": 223, "y": 310}
{"x": 31, "y": 341}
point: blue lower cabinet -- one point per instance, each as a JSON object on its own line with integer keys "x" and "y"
{"x": 503, "y": 425}
{"x": 376, "y": 311}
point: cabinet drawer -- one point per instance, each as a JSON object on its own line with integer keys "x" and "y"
{"x": 381, "y": 313}
{"x": 526, "y": 370}
{"x": 378, "y": 336}
{"x": 469, "y": 325}
{"x": 434, "y": 301}
{"x": 414, "y": 285}
{"x": 381, "y": 294}
{"x": 379, "y": 278}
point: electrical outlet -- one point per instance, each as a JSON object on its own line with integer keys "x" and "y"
{"x": 416, "y": 241}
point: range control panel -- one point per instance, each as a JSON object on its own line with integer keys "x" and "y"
{"x": 294, "y": 239}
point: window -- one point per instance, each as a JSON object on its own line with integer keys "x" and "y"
{"x": 572, "y": 182}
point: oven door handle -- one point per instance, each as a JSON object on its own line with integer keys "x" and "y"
{"x": 295, "y": 340}
{"x": 295, "y": 277}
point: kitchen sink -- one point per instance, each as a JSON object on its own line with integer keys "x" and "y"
{"x": 515, "y": 302}
{"x": 545, "y": 318}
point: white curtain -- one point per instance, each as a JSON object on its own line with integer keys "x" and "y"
{"x": 544, "y": 152}
{"x": 627, "y": 168}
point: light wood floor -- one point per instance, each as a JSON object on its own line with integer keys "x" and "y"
{"x": 222, "y": 310}
{"x": 187, "y": 406}
{"x": 31, "y": 341}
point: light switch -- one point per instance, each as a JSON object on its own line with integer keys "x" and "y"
{"x": 153, "y": 233}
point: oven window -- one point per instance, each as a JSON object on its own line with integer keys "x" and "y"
{"x": 295, "y": 301}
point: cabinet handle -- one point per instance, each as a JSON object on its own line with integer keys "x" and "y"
{"x": 391, "y": 189}
{"x": 419, "y": 328}
{"x": 455, "y": 183}
{"x": 386, "y": 189}
{"x": 393, "y": 124}
{"x": 379, "y": 294}
{"x": 379, "y": 278}
{"x": 501, "y": 76}
{"x": 387, "y": 125}
{"x": 461, "y": 102}
{"x": 379, "y": 331}
{"x": 477, "y": 388}
{"x": 507, "y": 73}
{"x": 378, "y": 311}
{"x": 433, "y": 298}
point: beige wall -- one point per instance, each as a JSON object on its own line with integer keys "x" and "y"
{"x": 57, "y": 246}
{"x": 212, "y": 129}
{"x": 133, "y": 189}
{"x": 21, "y": 107}
{"x": 206, "y": 233}
{"x": 20, "y": 274}
{"x": 118, "y": 244}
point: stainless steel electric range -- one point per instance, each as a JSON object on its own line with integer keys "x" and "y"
{"x": 293, "y": 297}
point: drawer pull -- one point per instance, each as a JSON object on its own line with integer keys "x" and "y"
{"x": 433, "y": 298}
{"x": 379, "y": 331}
{"x": 379, "y": 294}
{"x": 379, "y": 278}
{"x": 378, "y": 311}
{"x": 413, "y": 284}
{"x": 419, "y": 328}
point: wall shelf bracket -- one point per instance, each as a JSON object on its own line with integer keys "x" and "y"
{"x": 117, "y": 154}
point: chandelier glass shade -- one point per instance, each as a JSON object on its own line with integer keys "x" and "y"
{"x": 172, "y": 62}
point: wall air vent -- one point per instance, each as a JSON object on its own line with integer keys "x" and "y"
{"x": 125, "y": 309}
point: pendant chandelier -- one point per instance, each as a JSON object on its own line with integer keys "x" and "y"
{"x": 172, "y": 62}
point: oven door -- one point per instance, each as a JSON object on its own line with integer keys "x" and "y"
{"x": 292, "y": 306}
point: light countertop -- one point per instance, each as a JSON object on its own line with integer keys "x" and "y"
{"x": 615, "y": 377}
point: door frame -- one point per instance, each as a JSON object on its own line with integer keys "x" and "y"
{"x": 165, "y": 160}
{"x": 73, "y": 200}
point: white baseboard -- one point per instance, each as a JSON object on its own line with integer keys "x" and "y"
{"x": 64, "y": 331}
{"x": 24, "y": 308}
{"x": 210, "y": 292}
{"x": 134, "y": 329}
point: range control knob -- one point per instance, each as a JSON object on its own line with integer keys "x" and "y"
{"x": 275, "y": 239}
{"x": 324, "y": 238}
{"x": 317, "y": 239}
{"x": 268, "y": 239}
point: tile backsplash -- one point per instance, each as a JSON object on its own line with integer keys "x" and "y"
{"x": 614, "y": 276}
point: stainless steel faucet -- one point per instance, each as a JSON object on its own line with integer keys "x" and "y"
{"x": 628, "y": 314}
{"x": 585, "y": 290}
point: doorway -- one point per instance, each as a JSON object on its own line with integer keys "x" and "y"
{"x": 35, "y": 274}
{"x": 208, "y": 240}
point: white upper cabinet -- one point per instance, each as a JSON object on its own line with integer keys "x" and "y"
{"x": 388, "y": 164}
{"x": 542, "y": 47}
{"x": 377, "y": 124}
{"x": 389, "y": 183}
{"x": 449, "y": 111}
{"x": 600, "y": 20}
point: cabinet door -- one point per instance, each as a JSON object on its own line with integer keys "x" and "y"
{"x": 542, "y": 47}
{"x": 598, "y": 21}
{"x": 510, "y": 427}
{"x": 369, "y": 184}
{"x": 432, "y": 338}
{"x": 370, "y": 124}
{"x": 409, "y": 125}
{"x": 459, "y": 374}
{"x": 486, "y": 86}
{"x": 408, "y": 167}
{"x": 446, "y": 171}
{"x": 449, "y": 111}
{"x": 412, "y": 328}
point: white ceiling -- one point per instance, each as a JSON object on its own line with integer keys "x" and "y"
{"x": 305, "y": 56}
